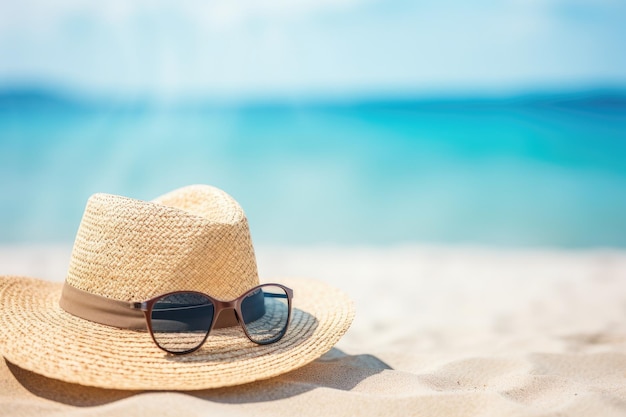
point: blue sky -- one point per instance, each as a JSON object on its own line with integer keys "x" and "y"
{"x": 289, "y": 48}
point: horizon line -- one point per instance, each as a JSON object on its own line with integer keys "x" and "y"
{"x": 59, "y": 95}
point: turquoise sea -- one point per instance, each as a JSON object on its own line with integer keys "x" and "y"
{"x": 528, "y": 170}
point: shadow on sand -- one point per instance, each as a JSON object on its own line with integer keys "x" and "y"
{"x": 335, "y": 370}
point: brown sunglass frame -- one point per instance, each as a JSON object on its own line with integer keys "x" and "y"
{"x": 219, "y": 306}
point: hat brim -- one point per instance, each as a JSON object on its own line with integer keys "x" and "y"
{"x": 37, "y": 335}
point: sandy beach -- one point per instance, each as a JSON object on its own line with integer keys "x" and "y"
{"x": 439, "y": 331}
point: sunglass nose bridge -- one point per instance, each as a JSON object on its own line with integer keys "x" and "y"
{"x": 225, "y": 305}
{"x": 221, "y": 306}
{"x": 228, "y": 307}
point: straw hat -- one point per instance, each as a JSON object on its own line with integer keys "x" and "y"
{"x": 126, "y": 250}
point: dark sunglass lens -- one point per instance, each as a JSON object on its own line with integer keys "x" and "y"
{"x": 181, "y": 321}
{"x": 265, "y": 314}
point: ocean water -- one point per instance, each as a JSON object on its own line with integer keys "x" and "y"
{"x": 534, "y": 170}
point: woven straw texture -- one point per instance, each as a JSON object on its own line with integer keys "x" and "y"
{"x": 132, "y": 250}
{"x": 195, "y": 238}
{"x": 37, "y": 335}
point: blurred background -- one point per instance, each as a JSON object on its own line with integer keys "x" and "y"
{"x": 343, "y": 122}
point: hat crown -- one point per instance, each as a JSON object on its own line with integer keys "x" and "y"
{"x": 194, "y": 238}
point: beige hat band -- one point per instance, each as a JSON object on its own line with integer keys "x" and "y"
{"x": 120, "y": 314}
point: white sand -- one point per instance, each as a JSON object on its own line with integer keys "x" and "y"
{"x": 439, "y": 331}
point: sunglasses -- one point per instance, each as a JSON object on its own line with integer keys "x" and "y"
{"x": 180, "y": 322}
